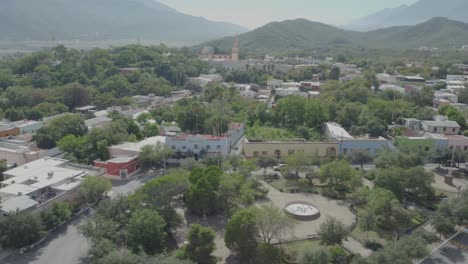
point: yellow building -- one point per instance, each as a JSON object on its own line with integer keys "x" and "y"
{"x": 281, "y": 149}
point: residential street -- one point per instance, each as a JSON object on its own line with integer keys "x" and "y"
{"x": 67, "y": 245}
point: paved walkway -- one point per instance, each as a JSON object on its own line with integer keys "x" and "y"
{"x": 356, "y": 247}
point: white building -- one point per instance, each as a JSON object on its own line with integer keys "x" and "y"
{"x": 134, "y": 148}
{"x": 453, "y": 98}
{"x": 391, "y": 87}
{"x": 39, "y": 182}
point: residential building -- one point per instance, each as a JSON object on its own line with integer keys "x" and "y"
{"x": 456, "y": 78}
{"x": 149, "y": 100}
{"x": 199, "y": 145}
{"x": 7, "y": 130}
{"x": 37, "y": 184}
{"x": 134, "y": 148}
{"x": 97, "y": 122}
{"x": 283, "y": 92}
{"x": 411, "y": 78}
{"x": 427, "y": 142}
{"x": 314, "y": 86}
{"x": 86, "y": 109}
{"x": 458, "y": 142}
{"x": 28, "y": 126}
{"x": 386, "y": 78}
{"x": 392, "y": 87}
{"x": 248, "y": 94}
{"x": 441, "y": 127}
{"x": 282, "y": 149}
{"x": 452, "y": 98}
{"x": 119, "y": 168}
{"x": 347, "y": 143}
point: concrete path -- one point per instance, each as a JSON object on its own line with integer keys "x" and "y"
{"x": 356, "y": 247}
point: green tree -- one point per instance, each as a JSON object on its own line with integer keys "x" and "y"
{"x": 92, "y": 188}
{"x": 272, "y": 223}
{"x": 266, "y": 161}
{"x": 367, "y": 223}
{"x": 152, "y": 155}
{"x": 200, "y": 244}
{"x": 121, "y": 257}
{"x": 359, "y": 156}
{"x": 151, "y": 130}
{"x": 387, "y": 210}
{"x": 298, "y": 161}
{"x": 334, "y": 74}
{"x": 340, "y": 176}
{"x": 412, "y": 246}
{"x": 267, "y": 254}
{"x": 101, "y": 249}
{"x": 20, "y": 230}
{"x": 241, "y": 234}
{"x": 332, "y": 232}
{"x": 59, "y": 213}
{"x": 146, "y": 229}
{"x": 315, "y": 256}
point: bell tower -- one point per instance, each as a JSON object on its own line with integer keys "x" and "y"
{"x": 235, "y": 50}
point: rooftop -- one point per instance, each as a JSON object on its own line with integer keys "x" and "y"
{"x": 337, "y": 132}
{"x": 17, "y": 203}
{"x": 447, "y": 123}
{"x": 97, "y": 120}
{"x": 86, "y": 108}
{"x": 136, "y": 146}
{"x": 22, "y": 123}
{"x": 122, "y": 159}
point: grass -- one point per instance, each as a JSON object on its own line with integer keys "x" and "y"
{"x": 287, "y": 186}
{"x": 294, "y": 249}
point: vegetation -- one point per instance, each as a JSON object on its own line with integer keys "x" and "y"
{"x": 92, "y": 188}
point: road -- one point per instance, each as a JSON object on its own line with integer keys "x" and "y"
{"x": 66, "y": 245}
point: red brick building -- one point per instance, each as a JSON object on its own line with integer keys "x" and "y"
{"x": 121, "y": 167}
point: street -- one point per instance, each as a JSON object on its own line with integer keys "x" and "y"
{"x": 66, "y": 245}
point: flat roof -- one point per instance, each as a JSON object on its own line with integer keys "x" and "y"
{"x": 97, "y": 120}
{"x": 136, "y": 146}
{"x": 17, "y": 188}
{"x": 86, "y": 108}
{"x": 447, "y": 123}
{"x": 41, "y": 173}
{"x": 17, "y": 203}
{"x": 122, "y": 159}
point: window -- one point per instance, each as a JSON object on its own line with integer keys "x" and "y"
{"x": 465, "y": 148}
{"x": 184, "y": 147}
{"x": 435, "y": 129}
{"x": 208, "y": 147}
{"x": 451, "y": 147}
{"x": 453, "y": 129}
{"x": 218, "y": 146}
{"x": 173, "y": 147}
{"x": 255, "y": 153}
{"x": 345, "y": 151}
{"x": 195, "y": 146}
{"x": 291, "y": 152}
{"x": 264, "y": 152}
{"x": 445, "y": 129}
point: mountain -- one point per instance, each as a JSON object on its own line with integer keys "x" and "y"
{"x": 418, "y": 12}
{"x": 104, "y": 20}
{"x": 298, "y": 34}
{"x": 301, "y": 34}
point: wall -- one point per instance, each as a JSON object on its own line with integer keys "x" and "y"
{"x": 372, "y": 145}
{"x": 31, "y": 128}
{"x": 11, "y": 132}
{"x": 251, "y": 149}
{"x": 424, "y": 144}
{"x": 441, "y": 130}
{"x": 459, "y": 142}
{"x": 196, "y": 143}
{"x": 114, "y": 168}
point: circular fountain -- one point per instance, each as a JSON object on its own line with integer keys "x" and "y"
{"x": 302, "y": 211}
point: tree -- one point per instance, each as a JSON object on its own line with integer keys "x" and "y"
{"x": 59, "y": 213}
{"x": 146, "y": 229}
{"x": 151, "y": 155}
{"x": 20, "y": 230}
{"x": 241, "y": 234}
{"x": 151, "y": 130}
{"x": 121, "y": 257}
{"x": 101, "y": 249}
{"x": 297, "y": 162}
{"x": 272, "y": 223}
{"x": 334, "y": 74}
{"x": 267, "y": 254}
{"x": 92, "y": 188}
{"x": 200, "y": 244}
{"x": 315, "y": 256}
{"x": 332, "y": 232}
{"x": 359, "y": 156}
{"x": 376, "y": 128}
{"x": 387, "y": 210}
{"x": 266, "y": 161}
{"x": 412, "y": 246}
{"x": 367, "y": 223}
{"x": 339, "y": 175}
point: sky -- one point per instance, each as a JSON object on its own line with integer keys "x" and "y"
{"x": 255, "y": 13}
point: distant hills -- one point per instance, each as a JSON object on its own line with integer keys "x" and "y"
{"x": 418, "y": 12}
{"x": 301, "y": 34}
{"x": 104, "y": 20}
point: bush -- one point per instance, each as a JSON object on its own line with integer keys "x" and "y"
{"x": 373, "y": 245}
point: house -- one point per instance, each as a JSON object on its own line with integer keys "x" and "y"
{"x": 36, "y": 184}
{"x": 248, "y": 94}
{"x": 392, "y": 87}
{"x": 148, "y": 100}
{"x": 347, "y": 143}
{"x": 385, "y": 78}
{"x": 452, "y": 98}
{"x": 169, "y": 129}
{"x": 199, "y": 145}
{"x": 236, "y": 132}
{"x": 446, "y": 127}
{"x": 458, "y": 142}
{"x": 283, "y": 92}
{"x": 313, "y": 86}
{"x": 16, "y": 153}
{"x": 428, "y": 142}
{"x": 411, "y": 78}
{"x": 431, "y": 83}
{"x": 97, "y": 122}
{"x": 119, "y": 168}
{"x": 7, "y": 130}
{"x": 28, "y": 126}
{"x": 282, "y": 149}
{"x": 86, "y": 109}
{"x": 134, "y": 148}
{"x": 456, "y": 78}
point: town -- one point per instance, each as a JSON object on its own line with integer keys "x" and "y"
{"x": 247, "y": 149}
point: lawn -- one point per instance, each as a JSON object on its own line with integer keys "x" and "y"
{"x": 288, "y": 186}
{"x": 295, "y": 249}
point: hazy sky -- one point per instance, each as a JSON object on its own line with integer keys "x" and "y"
{"x": 255, "y": 13}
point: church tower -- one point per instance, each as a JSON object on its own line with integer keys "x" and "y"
{"x": 235, "y": 50}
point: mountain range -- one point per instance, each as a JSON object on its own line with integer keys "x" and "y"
{"x": 302, "y": 34}
{"x": 418, "y": 12}
{"x": 104, "y": 20}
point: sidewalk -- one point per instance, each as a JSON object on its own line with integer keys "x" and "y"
{"x": 356, "y": 247}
